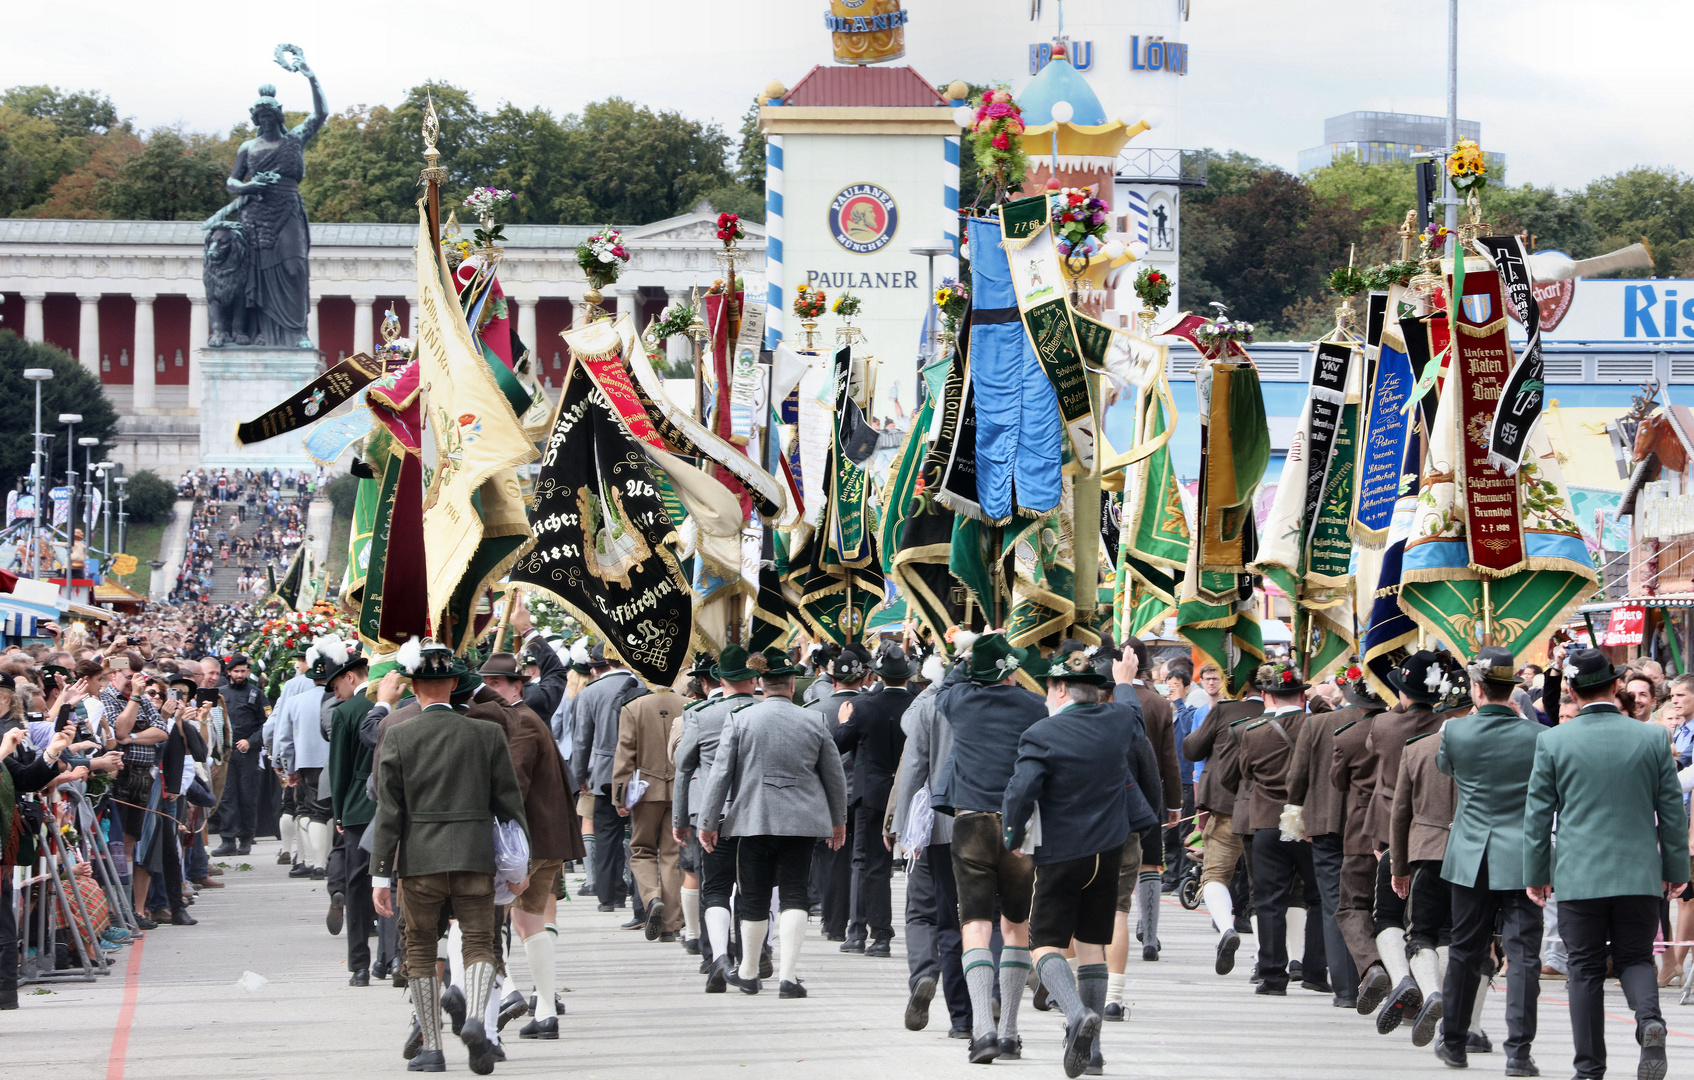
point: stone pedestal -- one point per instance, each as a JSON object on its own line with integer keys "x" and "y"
{"x": 240, "y": 383}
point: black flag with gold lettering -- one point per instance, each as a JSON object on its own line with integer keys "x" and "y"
{"x": 603, "y": 538}
{"x": 314, "y": 401}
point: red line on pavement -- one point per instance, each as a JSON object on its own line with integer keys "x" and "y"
{"x": 1630, "y": 1020}
{"x": 126, "y": 1014}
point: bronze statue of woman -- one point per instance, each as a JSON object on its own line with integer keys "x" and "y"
{"x": 266, "y": 180}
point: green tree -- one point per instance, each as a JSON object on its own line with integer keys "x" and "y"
{"x": 170, "y": 180}
{"x": 1381, "y": 192}
{"x": 364, "y": 164}
{"x": 632, "y": 165}
{"x": 1651, "y": 204}
{"x": 74, "y": 113}
{"x": 148, "y": 497}
{"x": 343, "y": 492}
{"x": 750, "y": 161}
{"x": 71, "y": 389}
{"x": 1553, "y": 220}
{"x": 46, "y": 134}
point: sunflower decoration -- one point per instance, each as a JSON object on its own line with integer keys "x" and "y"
{"x": 1467, "y": 168}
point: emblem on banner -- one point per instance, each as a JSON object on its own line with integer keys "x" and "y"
{"x": 862, "y": 218}
{"x": 1478, "y": 307}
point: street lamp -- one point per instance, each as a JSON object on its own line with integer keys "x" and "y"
{"x": 123, "y": 518}
{"x": 88, "y": 443}
{"x": 36, "y": 375}
{"x": 70, "y": 420}
{"x": 105, "y": 468}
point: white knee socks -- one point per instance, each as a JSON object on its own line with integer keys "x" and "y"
{"x": 690, "y": 914}
{"x": 1219, "y": 905}
{"x": 717, "y": 930}
{"x": 752, "y": 943}
{"x": 289, "y": 831}
{"x": 1424, "y": 970}
{"x": 318, "y": 853}
{"x": 1441, "y": 964}
{"x": 792, "y": 928}
{"x": 1114, "y": 987}
{"x": 538, "y": 948}
{"x": 455, "y": 955}
{"x": 491, "y": 1012}
{"x": 1481, "y": 1000}
{"x": 1295, "y": 937}
{"x": 1391, "y": 946}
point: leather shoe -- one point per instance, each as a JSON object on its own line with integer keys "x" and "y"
{"x": 319, "y": 873}
{"x": 668, "y": 937}
{"x": 540, "y": 1029}
{"x": 379, "y": 971}
{"x": 181, "y": 917}
{"x": 359, "y": 978}
{"x": 1079, "y": 1043}
{"x": 1317, "y": 986}
{"x": 606, "y": 907}
{"x": 1652, "y": 1064}
{"x": 917, "y": 1005}
{"x": 283, "y": 858}
{"x": 224, "y": 849}
{"x": 1405, "y": 1000}
{"x": 144, "y": 922}
{"x": 1373, "y": 988}
{"x": 879, "y": 947}
{"x": 1524, "y": 1066}
{"x": 766, "y": 966}
{"x": 791, "y": 989}
{"x": 654, "y": 925}
{"x": 691, "y": 946}
{"x": 633, "y": 924}
{"x": 1455, "y": 1059}
{"x": 428, "y": 1061}
{"x": 1114, "y": 1011}
{"x": 245, "y": 847}
{"x": 1344, "y": 1002}
{"x": 718, "y": 978}
{"x": 1428, "y": 1020}
{"x": 1227, "y": 944}
{"x": 453, "y": 1004}
{"x": 1043, "y": 1001}
{"x": 1149, "y": 953}
{"x": 1011, "y": 1048}
{"x": 215, "y": 871}
{"x": 853, "y": 944}
{"x": 1478, "y": 1043}
{"x": 558, "y": 1004}
{"x": 827, "y": 936}
{"x": 208, "y": 883}
{"x": 958, "y": 1033}
{"x": 477, "y": 1043}
{"x": 1266, "y": 989}
{"x": 512, "y": 1006}
{"x": 985, "y": 1049}
{"x": 414, "y": 1041}
{"x": 300, "y": 870}
{"x": 337, "y": 906}
{"x": 746, "y": 986}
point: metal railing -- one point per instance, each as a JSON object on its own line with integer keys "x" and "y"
{"x": 1149, "y": 165}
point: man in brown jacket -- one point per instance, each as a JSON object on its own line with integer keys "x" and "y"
{"x": 1418, "y": 681}
{"x": 1352, "y": 774}
{"x": 1267, "y": 755}
{"x": 1323, "y": 816}
{"x": 1213, "y": 742}
{"x": 1423, "y": 814}
{"x": 555, "y": 832}
{"x": 642, "y": 772}
{"x": 1139, "y": 880}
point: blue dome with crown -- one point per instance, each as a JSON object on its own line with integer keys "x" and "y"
{"x": 1059, "y": 81}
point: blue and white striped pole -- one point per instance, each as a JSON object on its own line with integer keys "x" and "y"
{"x": 774, "y": 307}
{"x": 950, "y": 182}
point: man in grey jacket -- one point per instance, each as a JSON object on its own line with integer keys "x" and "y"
{"x": 777, "y": 785}
{"x": 934, "y": 947}
{"x": 597, "y": 708}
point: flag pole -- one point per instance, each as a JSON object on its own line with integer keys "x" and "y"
{"x": 433, "y": 173}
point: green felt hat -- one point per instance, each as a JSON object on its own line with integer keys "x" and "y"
{"x": 994, "y": 659}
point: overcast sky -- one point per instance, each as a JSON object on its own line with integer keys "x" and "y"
{"x": 1567, "y": 90}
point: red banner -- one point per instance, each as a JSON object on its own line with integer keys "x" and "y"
{"x": 1483, "y": 359}
{"x": 1628, "y": 626}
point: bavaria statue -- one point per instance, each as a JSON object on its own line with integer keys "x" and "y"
{"x": 256, "y": 271}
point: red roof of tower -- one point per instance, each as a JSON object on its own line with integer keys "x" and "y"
{"x": 863, "y": 87}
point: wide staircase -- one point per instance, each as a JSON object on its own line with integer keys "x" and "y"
{"x": 224, "y": 578}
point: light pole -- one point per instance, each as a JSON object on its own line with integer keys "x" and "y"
{"x": 36, "y": 375}
{"x": 105, "y": 468}
{"x": 123, "y": 518}
{"x": 929, "y": 249}
{"x": 70, "y": 420}
{"x": 88, "y": 443}
{"x": 1450, "y": 217}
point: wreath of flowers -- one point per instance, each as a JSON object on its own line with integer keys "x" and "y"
{"x": 1386, "y": 275}
{"x": 729, "y": 228}
{"x": 996, "y": 137}
{"x": 951, "y": 297}
{"x": 1216, "y": 333}
{"x": 675, "y": 319}
{"x": 809, "y": 303}
{"x": 1348, "y": 281}
{"x": 1467, "y": 168}
{"x": 1079, "y": 222}
{"x": 846, "y": 305}
{"x": 281, "y": 638}
{"x": 1153, "y": 287}
{"x": 482, "y": 202}
{"x": 1276, "y": 673}
{"x": 602, "y": 257}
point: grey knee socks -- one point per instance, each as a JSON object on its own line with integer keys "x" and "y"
{"x": 979, "y": 980}
{"x": 1148, "y": 889}
{"x": 1014, "y": 976}
{"x": 1061, "y": 985}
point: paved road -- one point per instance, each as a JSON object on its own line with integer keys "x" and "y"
{"x": 635, "y": 1011}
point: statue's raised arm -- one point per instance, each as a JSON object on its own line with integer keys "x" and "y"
{"x": 291, "y": 58}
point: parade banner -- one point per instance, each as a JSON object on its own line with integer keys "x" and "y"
{"x": 1232, "y": 465}
{"x": 1382, "y": 442}
{"x": 473, "y": 520}
{"x": 604, "y": 536}
{"x": 1524, "y": 394}
{"x": 1155, "y": 528}
{"x": 1483, "y": 356}
{"x": 318, "y": 398}
{"x": 952, "y": 457}
{"x": 1331, "y": 369}
{"x": 1044, "y": 306}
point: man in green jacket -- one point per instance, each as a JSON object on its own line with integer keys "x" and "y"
{"x": 1489, "y": 755}
{"x": 445, "y": 779}
{"x": 349, "y": 766}
{"x": 1623, "y": 840}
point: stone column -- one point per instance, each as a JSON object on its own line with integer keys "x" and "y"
{"x": 680, "y": 348}
{"x": 364, "y": 335}
{"x": 526, "y": 323}
{"x": 35, "y": 330}
{"x": 312, "y": 322}
{"x": 198, "y": 333}
{"x": 144, "y": 358}
{"x": 88, "y": 333}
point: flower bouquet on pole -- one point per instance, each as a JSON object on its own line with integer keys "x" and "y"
{"x": 602, "y": 258}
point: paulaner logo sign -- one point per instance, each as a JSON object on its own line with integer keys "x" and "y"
{"x": 862, "y": 218}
